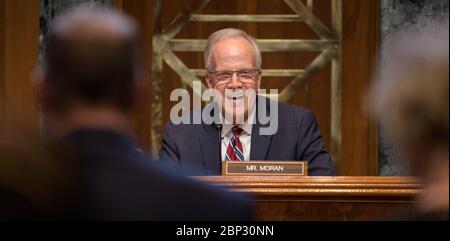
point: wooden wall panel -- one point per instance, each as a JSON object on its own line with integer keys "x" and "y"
{"x": 2, "y": 63}
{"x": 359, "y": 50}
{"x": 19, "y": 43}
{"x": 142, "y": 11}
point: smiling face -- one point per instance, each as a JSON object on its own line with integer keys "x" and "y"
{"x": 227, "y": 58}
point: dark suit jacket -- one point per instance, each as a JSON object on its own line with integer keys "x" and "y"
{"x": 196, "y": 147}
{"x": 110, "y": 179}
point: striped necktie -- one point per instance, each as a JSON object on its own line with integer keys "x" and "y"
{"x": 235, "y": 152}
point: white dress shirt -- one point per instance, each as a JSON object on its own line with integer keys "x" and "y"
{"x": 245, "y": 137}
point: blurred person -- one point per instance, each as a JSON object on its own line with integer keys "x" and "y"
{"x": 90, "y": 86}
{"x": 233, "y": 67}
{"x": 411, "y": 101}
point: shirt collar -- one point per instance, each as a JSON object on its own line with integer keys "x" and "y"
{"x": 247, "y": 126}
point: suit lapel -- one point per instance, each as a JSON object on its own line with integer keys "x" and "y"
{"x": 260, "y": 143}
{"x": 209, "y": 146}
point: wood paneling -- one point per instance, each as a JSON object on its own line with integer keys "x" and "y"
{"x": 325, "y": 198}
{"x": 142, "y": 11}
{"x": 359, "y": 51}
{"x": 19, "y": 43}
{"x": 2, "y": 63}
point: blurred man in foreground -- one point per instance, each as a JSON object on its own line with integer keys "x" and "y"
{"x": 411, "y": 100}
{"x": 88, "y": 90}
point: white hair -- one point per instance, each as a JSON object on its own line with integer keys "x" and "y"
{"x": 225, "y": 34}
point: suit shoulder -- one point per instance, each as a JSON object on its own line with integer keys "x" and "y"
{"x": 286, "y": 109}
{"x": 182, "y": 126}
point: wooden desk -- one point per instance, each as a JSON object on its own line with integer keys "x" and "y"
{"x": 324, "y": 198}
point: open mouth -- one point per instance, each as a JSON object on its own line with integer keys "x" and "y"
{"x": 235, "y": 96}
{"x": 240, "y": 97}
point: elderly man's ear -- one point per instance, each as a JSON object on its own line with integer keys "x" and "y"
{"x": 208, "y": 81}
{"x": 258, "y": 83}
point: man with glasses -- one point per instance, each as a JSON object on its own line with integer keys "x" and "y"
{"x": 233, "y": 69}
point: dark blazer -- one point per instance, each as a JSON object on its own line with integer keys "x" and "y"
{"x": 196, "y": 146}
{"x": 109, "y": 178}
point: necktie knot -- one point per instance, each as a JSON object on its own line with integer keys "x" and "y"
{"x": 236, "y": 130}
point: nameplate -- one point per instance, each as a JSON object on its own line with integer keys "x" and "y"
{"x": 265, "y": 168}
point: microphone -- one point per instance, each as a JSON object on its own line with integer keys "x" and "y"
{"x": 219, "y": 127}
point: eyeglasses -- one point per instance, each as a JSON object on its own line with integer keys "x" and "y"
{"x": 226, "y": 75}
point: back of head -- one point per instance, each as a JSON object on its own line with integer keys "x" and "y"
{"x": 411, "y": 101}
{"x": 92, "y": 57}
{"x": 413, "y": 93}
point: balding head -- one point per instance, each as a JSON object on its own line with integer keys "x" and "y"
{"x": 92, "y": 57}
